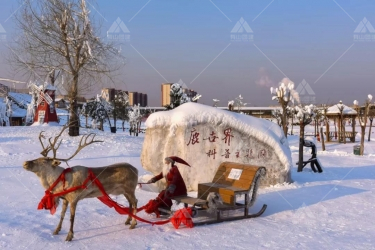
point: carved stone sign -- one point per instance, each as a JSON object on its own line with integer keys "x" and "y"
{"x": 205, "y": 145}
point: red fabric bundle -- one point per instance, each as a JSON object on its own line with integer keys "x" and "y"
{"x": 183, "y": 216}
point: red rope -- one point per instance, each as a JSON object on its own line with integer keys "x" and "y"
{"x": 47, "y": 202}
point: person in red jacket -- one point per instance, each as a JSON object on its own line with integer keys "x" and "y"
{"x": 175, "y": 186}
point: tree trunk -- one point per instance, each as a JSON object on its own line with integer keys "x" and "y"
{"x": 300, "y": 151}
{"x": 291, "y": 132}
{"x": 363, "y": 131}
{"x": 284, "y": 122}
{"x": 101, "y": 127}
{"x": 315, "y": 128}
{"x": 123, "y": 126}
{"x": 73, "y": 109}
{"x": 86, "y": 121}
{"x": 73, "y": 121}
{"x": 369, "y": 132}
{"x": 322, "y": 139}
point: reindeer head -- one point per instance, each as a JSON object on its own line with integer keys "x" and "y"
{"x": 46, "y": 162}
{"x": 40, "y": 164}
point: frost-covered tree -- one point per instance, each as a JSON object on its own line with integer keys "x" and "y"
{"x": 196, "y": 97}
{"x": 371, "y": 115}
{"x": 291, "y": 113}
{"x": 318, "y": 118}
{"x": 99, "y": 110}
{"x": 9, "y": 110}
{"x": 305, "y": 115}
{"x": 5, "y": 112}
{"x": 135, "y": 118}
{"x": 216, "y": 102}
{"x": 276, "y": 114}
{"x": 231, "y": 105}
{"x": 284, "y": 94}
{"x": 362, "y": 118}
{"x": 121, "y": 108}
{"x": 63, "y": 36}
{"x": 32, "y": 106}
{"x": 178, "y": 97}
{"x": 238, "y": 102}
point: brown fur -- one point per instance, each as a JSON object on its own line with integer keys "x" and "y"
{"x": 117, "y": 179}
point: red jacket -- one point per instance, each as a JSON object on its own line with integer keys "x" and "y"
{"x": 174, "y": 177}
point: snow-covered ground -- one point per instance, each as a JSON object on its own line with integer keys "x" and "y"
{"x": 331, "y": 210}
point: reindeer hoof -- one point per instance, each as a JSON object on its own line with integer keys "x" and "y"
{"x": 132, "y": 226}
{"x": 56, "y": 232}
{"x": 127, "y": 222}
{"x": 69, "y": 237}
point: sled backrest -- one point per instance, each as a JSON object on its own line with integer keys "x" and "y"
{"x": 232, "y": 179}
{"x": 235, "y": 174}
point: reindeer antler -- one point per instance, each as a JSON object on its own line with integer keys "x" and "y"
{"x": 83, "y": 143}
{"x": 45, "y": 149}
{"x": 52, "y": 143}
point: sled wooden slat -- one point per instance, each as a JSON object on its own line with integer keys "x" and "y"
{"x": 225, "y": 186}
{"x": 243, "y": 182}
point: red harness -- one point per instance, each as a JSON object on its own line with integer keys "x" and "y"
{"x": 47, "y": 202}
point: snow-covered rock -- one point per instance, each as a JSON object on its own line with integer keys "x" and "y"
{"x": 205, "y": 136}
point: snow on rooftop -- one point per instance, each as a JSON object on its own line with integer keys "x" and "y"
{"x": 334, "y": 110}
{"x": 191, "y": 114}
{"x": 20, "y": 98}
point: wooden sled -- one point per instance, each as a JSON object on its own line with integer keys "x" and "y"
{"x": 231, "y": 182}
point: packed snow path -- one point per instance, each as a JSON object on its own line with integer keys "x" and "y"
{"x": 332, "y": 210}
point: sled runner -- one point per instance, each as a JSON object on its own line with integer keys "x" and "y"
{"x": 220, "y": 200}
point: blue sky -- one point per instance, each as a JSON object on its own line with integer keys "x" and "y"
{"x": 191, "y": 40}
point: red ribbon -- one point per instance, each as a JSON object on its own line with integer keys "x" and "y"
{"x": 48, "y": 202}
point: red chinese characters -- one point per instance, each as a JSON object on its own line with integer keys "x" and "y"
{"x": 228, "y": 135}
{"x": 237, "y": 154}
{"x": 249, "y": 154}
{"x": 226, "y": 154}
{"x": 212, "y": 137}
{"x": 211, "y": 152}
{"x": 262, "y": 153}
{"x": 194, "y": 137}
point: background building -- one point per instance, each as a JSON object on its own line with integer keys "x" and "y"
{"x": 165, "y": 94}
{"x": 136, "y": 98}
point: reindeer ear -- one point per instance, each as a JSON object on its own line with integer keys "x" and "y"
{"x": 55, "y": 163}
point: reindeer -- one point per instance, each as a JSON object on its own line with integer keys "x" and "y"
{"x": 117, "y": 179}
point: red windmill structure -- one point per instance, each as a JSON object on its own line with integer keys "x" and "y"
{"x": 45, "y": 110}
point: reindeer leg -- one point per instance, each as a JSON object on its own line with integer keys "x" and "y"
{"x": 133, "y": 202}
{"x": 63, "y": 211}
{"x": 73, "y": 206}
{"x": 127, "y": 222}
